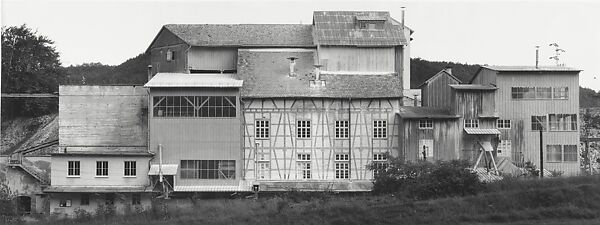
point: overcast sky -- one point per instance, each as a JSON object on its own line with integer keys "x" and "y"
{"x": 495, "y": 33}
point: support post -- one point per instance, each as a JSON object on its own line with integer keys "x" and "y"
{"x": 541, "y": 153}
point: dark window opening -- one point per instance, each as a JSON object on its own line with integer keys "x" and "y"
{"x": 213, "y": 71}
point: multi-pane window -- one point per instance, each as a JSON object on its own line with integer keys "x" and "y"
{"x": 504, "y": 148}
{"x": 64, "y": 203}
{"x": 262, "y": 129}
{"x": 342, "y": 166}
{"x": 523, "y": 92}
{"x": 471, "y": 123}
{"x": 130, "y": 169}
{"x": 194, "y": 106}
{"x": 379, "y": 129}
{"x": 425, "y": 124}
{"x": 342, "y": 128}
{"x": 538, "y": 123}
{"x": 74, "y": 168}
{"x": 561, "y": 153}
{"x": 563, "y": 122}
{"x": 379, "y": 163}
{"x": 503, "y": 124}
{"x": 208, "y": 169}
{"x": 543, "y": 92}
{"x": 304, "y": 166}
{"x": 85, "y": 199}
{"x": 561, "y": 93}
{"x": 136, "y": 199}
{"x": 170, "y": 55}
{"x": 264, "y": 170}
{"x": 101, "y": 168}
{"x": 303, "y": 128}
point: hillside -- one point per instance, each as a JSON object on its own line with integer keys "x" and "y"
{"x": 23, "y": 132}
{"x": 421, "y": 70}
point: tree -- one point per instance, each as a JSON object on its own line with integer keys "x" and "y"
{"x": 30, "y": 64}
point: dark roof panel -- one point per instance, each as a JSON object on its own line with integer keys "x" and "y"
{"x": 409, "y": 112}
{"x": 338, "y": 28}
{"x": 275, "y": 35}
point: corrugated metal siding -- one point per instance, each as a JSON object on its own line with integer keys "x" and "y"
{"x": 357, "y": 59}
{"x": 212, "y": 58}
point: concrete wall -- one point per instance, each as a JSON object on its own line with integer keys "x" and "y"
{"x": 20, "y": 183}
{"x": 88, "y": 171}
{"x": 122, "y": 203}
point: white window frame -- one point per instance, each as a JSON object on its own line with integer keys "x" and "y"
{"x": 425, "y": 124}
{"x": 380, "y": 161}
{"x": 304, "y": 166}
{"x": 471, "y": 123}
{"x": 63, "y": 203}
{"x": 303, "y": 129}
{"x": 170, "y": 55}
{"x": 74, "y": 169}
{"x": 380, "y": 129}
{"x": 428, "y": 143}
{"x": 560, "y": 93}
{"x": 262, "y": 129}
{"x": 342, "y": 129}
{"x": 264, "y": 170}
{"x": 129, "y": 168}
{"x": 503, "y": 124}
{"x": 504, "y": 148}
{"x": 342, "y": 166}
{"x": 103, "y": 166}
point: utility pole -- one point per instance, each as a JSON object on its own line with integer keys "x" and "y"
{"x": 541, "y": 153}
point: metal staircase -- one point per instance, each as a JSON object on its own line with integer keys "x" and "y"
{"x": 17, "y": 159}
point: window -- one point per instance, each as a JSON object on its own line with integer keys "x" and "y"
{"x": 379, "y": 163}
{"x": 471, "y": 123}
{"x": 425, "y": 124}
{"x": 101, "y": 168}
{"x": 425, "y": 148}
{"x": 538, "y": 123}
{"x": 561, "y": 93}
{"x": 304, "y": 166}
{"x": 264, "y": 170}
{"x": 194, "y": 106}
{"x": 342, "y": 166}
{"x": 74, "y": 168}
{"x": 380, "y": 129}
{"x": 170, "y": 55}
{"x": 303, "y": 128}
{"x": 503, "y": 124}
{"x": 543, "y": 93}
{"x": 85, "y": 199}
{"x": 64, "y": 203}
{"x": 505, "y": 148}
{"x": 136, "y": 199}
{"x": 523, "y": 92}
{"x": 208, "y": 169}
{"x": 563, "y": 122}
{"x": 130, "y": 169}
{"x": 262, "y": 129}
{"x": 561, "y": 153}
{"x": 341, "y": 128}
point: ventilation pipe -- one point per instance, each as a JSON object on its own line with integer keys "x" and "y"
{"x": 403, "y": 16}
{"x": 149, "y": 72}
{"x": 416, "y": 102}
{"x": 537, "y": 56}
{"x": 292, "y": 65}
{"x": 318, "y": 72}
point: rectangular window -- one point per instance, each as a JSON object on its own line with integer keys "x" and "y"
{"x": 380, "y": 129}
{"x": 303, "y": 128}
{"x": 570, "y": 153}
{"x": 471, "y": 123}
{"x": 130, "y": 169}
{"x": 561, "y": 153}
{"x": 523, "y": 92}
{"x": 101, "y": 168}
{"x": 85, "y": 199}
{"x": 208, "y": 169}
{"x": 262, "y": 129}
{"x": 561, "y": 93}
{"x": 379, "y": 163}
{"x": 563, "y": 122}
{"x": 505, "y": 148}
{"x": 64, "y": 203}
{"x": 425, "y": 124}
{"x": 74, "y": 168}
{"x": 553, "y": 153}
{"x": 538, "y": 123}
{"x": 194, "y": 106}
{"x": 136, "y": 199}
{"x": 264, "y": 170}
{"x": 503, "y": 124}
{"x": 543, "y": 93}
{"x": 170, "y": 55}
{"x": 342, "y": 166}
{"x": 304, "y": 168}
{"x": 342, "y": 129}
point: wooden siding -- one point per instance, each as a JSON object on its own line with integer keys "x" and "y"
{"x": 158, "y": 59}
{"x": 197, "y": 138}
{"x": 200, "y": 58}
{"x": 283, "y": 145}
{"x": 59, "y": 165}
{"x": 398, "y": 68}
{"x": 445, "y": 136}
{"x": 103, "y": 116}
{"x": 473, "y": 104}
{"x": 357, "y": 59}
{"x": 486, "y": 77}
{"x": 437, "y": 93}
{"x": 524, "y": 140}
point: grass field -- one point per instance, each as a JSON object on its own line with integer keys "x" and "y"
{"x": 574, "y": 200}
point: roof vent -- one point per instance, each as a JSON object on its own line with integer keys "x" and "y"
{"x": 317, "y": 82}
{"x": 292, "y": 66}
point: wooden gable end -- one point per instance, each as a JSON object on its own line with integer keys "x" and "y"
{"x": 165, "y": 38}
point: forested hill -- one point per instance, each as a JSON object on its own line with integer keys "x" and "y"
{"x": 421, "y": 70}
{"x": 132, "y": 71}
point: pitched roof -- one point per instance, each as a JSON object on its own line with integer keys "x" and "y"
{"x": 531, "y": 68}
{"x": 474, "y": 87}
{"x": 482, "y": 131}
{"x": 272, "y": 35}
{"x": 442, "y": 72}
{"x": 97, "y": 189}
{"x": 411, "y": 112}
{"x": 193, "y": 80}
{"x": 339, "y": 28}
{"x": 265, "y": 74}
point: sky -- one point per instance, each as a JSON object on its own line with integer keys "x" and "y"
{"x": 474, "y": 32}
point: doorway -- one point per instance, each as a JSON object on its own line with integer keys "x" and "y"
{"x": 24, "y": 205}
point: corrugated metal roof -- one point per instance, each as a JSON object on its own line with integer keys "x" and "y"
{"x": 411, "y": 112}
{"x": 167, "y": 169}
{"x": 97, "y": 189}
{"x": 487, "y": 176}
{"x": 371, "y": 17}
{"x": 476, "y": 87}
{"x": 273, "y": 35}
{"x": 212, "y": 188}
{"x": 482, "y": 131}
{"x": 193, "y": 80}
{"x": 265, "y": 74}
{"x": 531, "y": 68}
{"x": 338, "y": 28}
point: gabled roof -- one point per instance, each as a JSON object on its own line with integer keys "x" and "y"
{"x": 338, "y": 28}
{"x": 526, "y": 69}
{"x": 441, "y": 73}
{"x": 242, "y": 35}
{"x": 411, "y": 112}
{"x": 193, "y": 80}
{"x": 265, "y": 75}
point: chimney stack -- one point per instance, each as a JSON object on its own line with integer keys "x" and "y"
{"x": 537, "y": 56}
{"x": 318, "y": 72}
{"x": 448, "y": 69}
{"x": 403, "y": 16}
{"x": 416, "y": 102}
{"x": 292, "y": 65}
{"x": 149, "y": 72}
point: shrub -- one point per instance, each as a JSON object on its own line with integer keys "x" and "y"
{"x": 82, "y": 215}
{"x": 425, "y": 180}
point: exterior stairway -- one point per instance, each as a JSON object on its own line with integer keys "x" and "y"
{"x": 19, "y": 161}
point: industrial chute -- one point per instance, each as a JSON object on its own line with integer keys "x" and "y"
{"x": 486, "y": 150}
{"x": 161, "y": 170}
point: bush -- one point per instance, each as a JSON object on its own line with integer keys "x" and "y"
{"x": 424, "y": 180}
